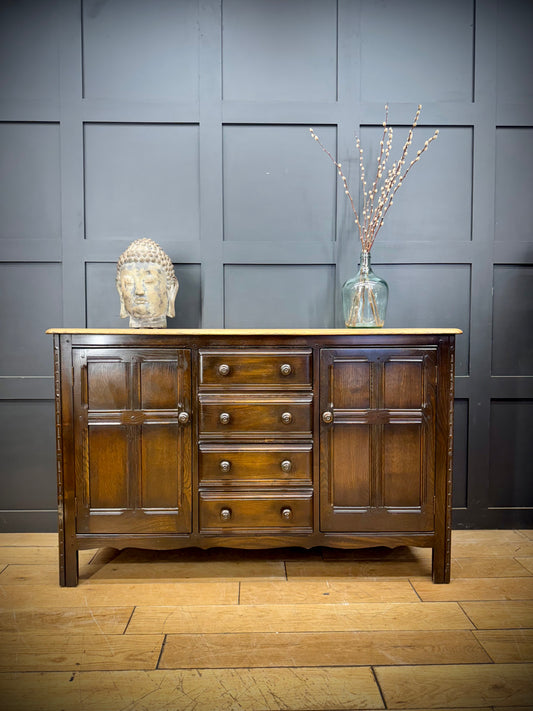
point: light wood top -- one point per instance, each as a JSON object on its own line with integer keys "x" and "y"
{"x": 256, "y": 331}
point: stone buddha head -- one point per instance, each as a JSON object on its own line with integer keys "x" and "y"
{"x": 147, "y": 285}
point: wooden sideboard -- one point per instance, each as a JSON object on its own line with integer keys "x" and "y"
{"x": 254, "y": 439}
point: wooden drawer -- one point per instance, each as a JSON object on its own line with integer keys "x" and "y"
{"x": 244, "y": 416}
{"x": 289, "y": 369}
{"x": 255, "y": 464}
{"x": 237, "y": 513}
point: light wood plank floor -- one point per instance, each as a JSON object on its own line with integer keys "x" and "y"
{"x": 227, "y": 630}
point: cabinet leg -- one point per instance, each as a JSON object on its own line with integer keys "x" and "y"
{"x": 440, "y": 562}
{"x": 68, "y": 567}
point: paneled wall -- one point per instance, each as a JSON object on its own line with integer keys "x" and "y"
{"x": 187, "y": 121}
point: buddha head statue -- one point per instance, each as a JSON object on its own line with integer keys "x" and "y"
{"x": 146, "y": 284}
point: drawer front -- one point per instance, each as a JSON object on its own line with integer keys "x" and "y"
{"x": 234, "y": 416}
{"x": 255, "y": 465}
{"x": 275, "y": 369}
{"x": 276, "y": 512}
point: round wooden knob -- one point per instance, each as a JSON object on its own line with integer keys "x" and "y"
{"x": 286, "y": 513}
{"x": 183, "y": 418}
{"x": 224, "y": 418}
{"x": 225, "y": 514}
{"x": 285, "y": 369}
{"x": 286, "y": 418}
{"x": 327, "y": 417}
{"x": 224, "y": 369}
{"x": 225, "y": 466}
{"x": 286, "y": 465}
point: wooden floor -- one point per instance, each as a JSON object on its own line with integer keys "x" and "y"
{"x": 256, "y": 630}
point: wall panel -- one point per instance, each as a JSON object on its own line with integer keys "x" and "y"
{"x": 188, "y": 122}
{"x": 279, "y": 51}
{"x": 268, "y": 169}
{"x": 272, "y": 296}
{"x": 138, "y": 50}
{"x": 395, "y": 36}
{"x": 141, "y": 180}
{"x": 31, "y": 297}
{"x": 29, "y": 167}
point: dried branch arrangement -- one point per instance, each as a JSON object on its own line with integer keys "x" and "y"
{"x": 378, "y": 198}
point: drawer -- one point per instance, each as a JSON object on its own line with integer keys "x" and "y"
{"x": 243, "y": 416}
{"x": 236, "y": 513}
{"x": 255, "y": 464}
{"x": 289, "y": 369}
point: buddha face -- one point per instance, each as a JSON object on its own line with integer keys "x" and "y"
{"x": 143, "y": 294}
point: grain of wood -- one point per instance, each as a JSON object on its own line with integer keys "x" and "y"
{"x": 457, "y": 685}
{"x": 489, "y": 537}
{"x": 426, "y": 654}
{"x": 18, "y": 555}
{"x": 25, "y": 574}
{"x": 325, "y": 591}
{"x": 83, "y": 652}
{"x": 378, "y": 553}
{"x": 29, "y": 539}
{"x": 507, "y": 645}
{"x": 488, "y": 568}
{"x": 527, "y": 563}
{"x": 280, "y": 649}
{"x": 168, "y": 572}
{"x": 221, "y": 689}
{"x": 192, "y": 593}
{"x": 354, "y": 569}
{"x": 520, "y": 547}
{"x": 44, "y": 621}
{"x": 477, "y": 589}
{"x": 500, "y": 615}
{"x": 297, "y": 618}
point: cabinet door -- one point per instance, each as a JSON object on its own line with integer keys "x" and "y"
{"x": 134, "y": 472}
{"x": 377, "y": 439}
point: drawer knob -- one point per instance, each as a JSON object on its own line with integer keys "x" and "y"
{"x": 225, "y": 466}
{"x": 327, "y": 417}
{"x": 286, "y": 513}
{"x": 183, "y": 418}
{"x": 225, "y": 514}
{"x": 286, "y": 465}
{"x": 224, "y": 418}
{"x": 285, "y": 369}
{"x": 286, "y": 418}
{"x": 223, "y": 369}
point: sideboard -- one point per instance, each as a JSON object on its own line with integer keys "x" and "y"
{"x": 254, "y": 439}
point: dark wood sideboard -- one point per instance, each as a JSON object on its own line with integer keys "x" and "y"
{"x": 254, "y": 439}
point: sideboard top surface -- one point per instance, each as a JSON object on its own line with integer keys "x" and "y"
{"x": 256, "y": 331}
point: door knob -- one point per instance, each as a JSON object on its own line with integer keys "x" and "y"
{"x": 225, "y": 514}
{"x": 327, "y": 417}
{"x": 183, "y": 418}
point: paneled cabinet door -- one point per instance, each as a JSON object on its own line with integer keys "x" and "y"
{"x": 377, "y": 439}
{"x": 133, "y": 432}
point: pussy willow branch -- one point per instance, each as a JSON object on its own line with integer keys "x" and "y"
{"x": 384, "y": 188}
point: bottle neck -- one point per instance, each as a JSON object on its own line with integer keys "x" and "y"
{"x": 364, "y": 263}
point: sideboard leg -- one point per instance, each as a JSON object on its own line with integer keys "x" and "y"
{"x": 68, "y": 568}
{"x": 440, "y": 563}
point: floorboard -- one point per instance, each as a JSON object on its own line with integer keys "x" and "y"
{"x": 229, "y": 630}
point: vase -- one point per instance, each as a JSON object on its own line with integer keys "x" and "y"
{"x": 364, "y": 297}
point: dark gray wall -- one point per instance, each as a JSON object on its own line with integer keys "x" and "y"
{"x": 187, "y": 121}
